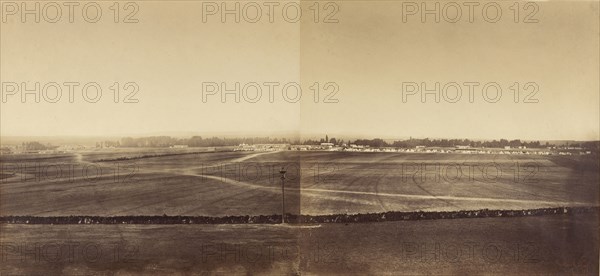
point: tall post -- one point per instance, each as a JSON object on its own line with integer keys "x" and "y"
{"x": 282, "y": 172}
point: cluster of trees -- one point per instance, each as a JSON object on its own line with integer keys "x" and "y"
{"x": 322, "y": 140}
{"x": 152, "y": 142}
{"x": 374, "y": 143}
{"x": 466, "y": 142}
{"x": 36, "y": 146}
{"x": 411, "y": 143}
{"x": 196, "y": 141}
{"x": 591, "y": 145}
{"x": 108, "y": 144}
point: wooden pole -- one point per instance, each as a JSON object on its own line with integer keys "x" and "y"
{"x": 282, "y": 172}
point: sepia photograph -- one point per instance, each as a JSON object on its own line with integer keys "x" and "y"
{"x": 312, "y": 137}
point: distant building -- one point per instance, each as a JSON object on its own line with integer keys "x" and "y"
{"x": 300, "y": 147}
{"x": 354, "y": 146}
{"x": 270, "y": 147}
{"x": 5, "y": 150}
{"x": 66, "y": 148}
{"x": 179, "y": 146}
{"x": 244, "y": 147}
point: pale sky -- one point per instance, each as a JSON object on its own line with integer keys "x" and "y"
{"x": 369, "y": 54}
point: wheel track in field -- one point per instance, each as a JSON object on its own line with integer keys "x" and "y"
{"x": 171, "y": 194}
{"x": 190, "y": 172}
{"x": 513, "y": 188}
{"x": 512, "y": 159}
{"x": 408, "y": 196}
{"x": 431, "y": 194}
{"x": 445, "y": 199}
{"x": 339, "y": 193}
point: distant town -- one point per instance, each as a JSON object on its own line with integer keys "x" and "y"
{"x": 464, "y": 146}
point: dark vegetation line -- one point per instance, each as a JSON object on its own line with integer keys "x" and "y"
{"x": 198, "y": 141}
{"x": 148, "y": 156}
{"x": 274, "y": 219}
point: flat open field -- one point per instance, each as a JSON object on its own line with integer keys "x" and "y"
{"x": 548, "y": 245}
{"x": 151, "y": 182}
{"x": 157, "y": 182}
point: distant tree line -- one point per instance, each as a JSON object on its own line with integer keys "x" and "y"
{"x": 411, "y": 143}
{"x": 466, "y": 142}
{"x": 198, "y": 141}
{"x": 36, "y": 146}
{"x": 590, "y": 145}
{"x": 322, "y": 140}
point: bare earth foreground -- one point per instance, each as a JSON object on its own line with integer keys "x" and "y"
{"x": 184, "y": 183}
{"x": 557, "y": 245}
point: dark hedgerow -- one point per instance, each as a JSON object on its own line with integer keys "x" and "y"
{"x": 293, "y": 219}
